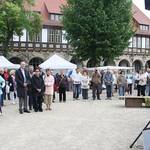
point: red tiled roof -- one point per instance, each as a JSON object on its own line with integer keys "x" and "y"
{"x": 53, "y": 6}
{"x": 139, "y": 16}
{"x": 36, "y": 7}
{"x": 52, "y": 23}
{"x": 140, "y": 32}
{"x": 45, "y": 7}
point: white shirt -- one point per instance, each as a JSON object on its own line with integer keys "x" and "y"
{"x": 85, "y": 82}
{"x": 24, "y": 76}
{"x": 142, "y": 79}
{"x": 129, "y": 78}
{"x": 76, "y": 77}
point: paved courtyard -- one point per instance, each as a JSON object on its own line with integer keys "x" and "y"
{"x": 74, "y": 125}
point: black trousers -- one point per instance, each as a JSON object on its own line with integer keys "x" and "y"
{"x": 37, "y": 102}
{"x": 85, "y": 93}
{"x": 62, "y": 94}
{"x": 141, "y": 90}
{"x": 96, "y": 91}
{"x": 130, "y": 89}
{"x": 30, "y": 101}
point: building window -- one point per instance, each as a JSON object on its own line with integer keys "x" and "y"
{"x": 134, "y": 42}
{"x": 52, "y": 17}
{"x": 139, "y": 42}
{"x": 130, "y": 42}
{"x": 143, "y": 42}
{"x": 55, "y": 17}
{"x": 55, "y": 36}
{"x": 144, "y": 27}
{"x": 58, "y": 36}
{"x": 37, "y": 38}
{"x": 51, "y": 35}
{"x": 147, "y": 44}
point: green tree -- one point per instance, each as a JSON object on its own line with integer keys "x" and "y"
{"x": 14, "y": 18}
{"x": 98, "y": 30}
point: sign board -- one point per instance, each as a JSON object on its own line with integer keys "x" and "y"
{"x": 146, "y": 136}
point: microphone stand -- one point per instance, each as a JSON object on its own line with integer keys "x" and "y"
{"x": 139, "y": 134}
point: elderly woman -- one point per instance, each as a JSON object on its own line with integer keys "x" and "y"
{"x": 85, "y": 84}
{"x": 49, "y": 89}
{"x": 12, "y": 86}
{"x": 2, "y": 85}
{"x": 142, "y": 79}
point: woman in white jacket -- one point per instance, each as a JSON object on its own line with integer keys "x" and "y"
{"x": 141, "y": 78}
{"x": 85, "y": 84}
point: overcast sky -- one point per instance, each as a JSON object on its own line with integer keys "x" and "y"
{"x": 140, "y": 4}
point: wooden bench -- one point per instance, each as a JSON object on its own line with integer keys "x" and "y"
{"x": 134, "y": 101}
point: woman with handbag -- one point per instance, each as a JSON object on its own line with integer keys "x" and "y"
{"x": 63, "y": 82}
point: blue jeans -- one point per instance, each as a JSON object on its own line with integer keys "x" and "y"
{"x": 147, "y": 90}
{"x": 121, "y": 90}
{"x": 76, "y": 90}
{"x": 0, "y": 100}
{"x": 109, "y": 91}
{"x": 0, "y": 103}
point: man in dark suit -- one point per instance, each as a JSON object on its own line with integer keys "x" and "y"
{"x": 21, "y": 78}
{"x": 30, "y": 95}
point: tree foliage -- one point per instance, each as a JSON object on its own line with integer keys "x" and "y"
{"x": 14, "y": 18}
{"x": 98, "y": 30}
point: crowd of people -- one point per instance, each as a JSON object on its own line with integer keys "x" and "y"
{"x": 32, "y": 87}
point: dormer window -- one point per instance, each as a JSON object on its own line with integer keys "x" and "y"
{"x": 144, "y": 27}
{"x": 55, "y": 17}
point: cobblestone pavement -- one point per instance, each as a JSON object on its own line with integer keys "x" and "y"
{"x": 74, "y": 125}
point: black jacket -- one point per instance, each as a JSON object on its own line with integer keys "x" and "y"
{"x": 11, "y": 84}
{"x": 63, "y": 81}
{"x": 21, "y": 90}
{"x": 37, "y": 83}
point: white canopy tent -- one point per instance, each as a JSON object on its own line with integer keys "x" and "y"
{"x": 57, "y": 62}
{"x": 111, "y": 68}
{"x": 4, "y": 63}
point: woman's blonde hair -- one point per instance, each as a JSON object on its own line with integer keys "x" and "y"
{"x": 12, "y": 72}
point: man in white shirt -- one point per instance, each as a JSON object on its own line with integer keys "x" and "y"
{"x": 76, "y": 77}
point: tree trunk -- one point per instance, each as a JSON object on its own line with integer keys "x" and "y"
{"x": 5, "y": 47}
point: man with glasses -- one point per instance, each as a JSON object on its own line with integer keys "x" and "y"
{"x": 38, "y": 89}
{"x": 21, "y": 78}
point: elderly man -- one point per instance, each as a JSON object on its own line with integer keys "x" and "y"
{"x": 30, "y": 97}
{"x": 96, "y": 84}
{"x": 21, "y": 77}
{"x": 108, "y": 80}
